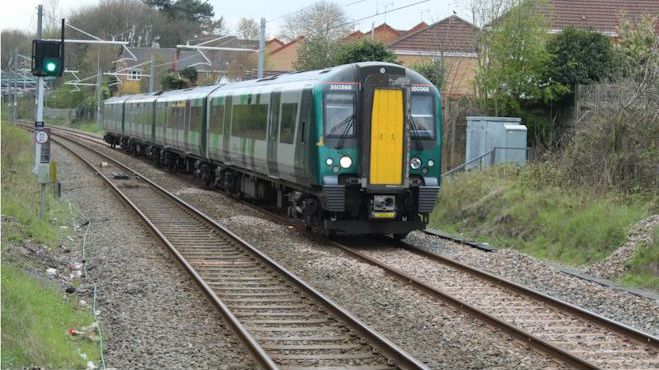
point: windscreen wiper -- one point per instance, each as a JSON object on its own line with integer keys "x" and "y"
{"x": 344, "y": 134}
{"x": 341, "y": 123}
{"x": 415, "y": 129}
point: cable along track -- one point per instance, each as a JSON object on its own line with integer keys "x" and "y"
{"x": 283, "y": 321}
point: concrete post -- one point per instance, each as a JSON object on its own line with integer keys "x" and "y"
{"x": 152, "y": 76}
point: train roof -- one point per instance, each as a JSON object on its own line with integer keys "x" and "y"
{"x": 321, "y": 75}
{"x": 341, "y": 73}
{"x": 142, "y": 98}
{"x": 190, "y": 93}
{"x": 117, "y": 99}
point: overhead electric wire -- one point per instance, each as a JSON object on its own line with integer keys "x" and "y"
{"x": 382, "y": 13}
{"x": 355, "y": 21}
{"x": 309, "y": 6}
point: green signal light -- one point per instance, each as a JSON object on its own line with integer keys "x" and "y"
{"x": 50, "y": 67}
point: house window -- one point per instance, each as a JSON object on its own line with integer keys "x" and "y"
{"x": 134, "y": 75}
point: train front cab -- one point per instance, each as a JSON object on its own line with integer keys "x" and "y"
{"x": 381, "y": 162}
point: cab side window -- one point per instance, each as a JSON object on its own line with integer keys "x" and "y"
{"x": 288, "y": 119}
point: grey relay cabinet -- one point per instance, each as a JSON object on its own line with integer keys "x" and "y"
{"x": 493, "y": 140}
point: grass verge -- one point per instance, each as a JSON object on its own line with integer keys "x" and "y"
{"x": 35, "y": 317}
{"x": 20, "y": 192}
{"x": 82, "y": 125}
{"x": 35, "y": 320}
{"x": 523, "y": 208}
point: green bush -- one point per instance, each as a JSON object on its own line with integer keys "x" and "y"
{"x": 364, "y": 50}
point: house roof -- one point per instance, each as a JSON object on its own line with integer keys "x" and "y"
{"x": 452, "y": 34}
{"x": 290, "y": 43}
{"x": 355, "y": 35}
{"x": 385, "y": 29}
{"x": 219, "y": 60}
{"x": 418, "y": 27}
{"x": 600, "y": 15}
{"x": 162, "y": 55}
{"x": 275, "y": 40}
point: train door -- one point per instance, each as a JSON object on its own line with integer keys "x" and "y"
{"x": 226, "y": 139}
{"x": 215, "y": 130}
{"x": 387, "y": 134}
{"x": 273, "y": 133}
{"x": 288, "y": 122}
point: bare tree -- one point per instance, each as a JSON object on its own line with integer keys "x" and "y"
{"x": 322, "y": 20}
{"x": 128, "y": 20}
{"x": 52, "y": 15}
{"x": 247, "y": 29}
{"x": 12, "y": 40}
{"x": 485, "y": 12}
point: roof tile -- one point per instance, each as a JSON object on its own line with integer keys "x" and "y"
{"x": 600, "y": 15}
{"x": 452, "y": 34}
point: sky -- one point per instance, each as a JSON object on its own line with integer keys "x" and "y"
{"x": 22, "y": 14}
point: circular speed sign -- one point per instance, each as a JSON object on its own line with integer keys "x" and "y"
{"x": 41, "y": 137}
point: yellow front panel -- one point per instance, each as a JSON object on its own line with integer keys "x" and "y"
{"x": 387, "y": 137}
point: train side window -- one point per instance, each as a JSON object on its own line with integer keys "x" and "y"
{"x": 196, "y": 116}
{"x": 184, "y": 115}
{"x": 423, "y": 116}
{"x": 216, "y": 121}
{"x": 288, "y": 119}
{"x": 171, "y": 115}
{"x": 178, "y": 121}
{"x": 250, "y": 121}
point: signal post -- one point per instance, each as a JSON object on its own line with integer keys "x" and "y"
{"x": 47, "y": 60}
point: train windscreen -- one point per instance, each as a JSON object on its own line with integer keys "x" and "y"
{"x": 339, "y": 114}
{"x": 423, "y": 116}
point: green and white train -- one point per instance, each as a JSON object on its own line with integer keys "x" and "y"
{"x": 352, "y": 149}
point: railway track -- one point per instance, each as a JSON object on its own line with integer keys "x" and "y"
{"x": 575, "y": 336}
{"x": 283, "y": 321}
{"x": 571, "y": 335}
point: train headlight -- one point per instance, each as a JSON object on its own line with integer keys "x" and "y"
{"x": 415, "y": 163}
{"x": 345, "y": 161}
{"x": 431, "y": 163}
{"x": 329, "y": 162}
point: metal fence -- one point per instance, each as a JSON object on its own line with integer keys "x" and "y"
{"x": 487, "y": 159}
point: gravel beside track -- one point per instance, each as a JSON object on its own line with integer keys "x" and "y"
{"x": 641, "y": 313}
{"x": 295, "y": 327}
{"x": 430, "y": 331}
{"x": 434, "y": 332}
{"x": 593, "y": 342}
{"x": 151, "y": 313}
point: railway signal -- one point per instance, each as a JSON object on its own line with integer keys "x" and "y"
{"x": 47, "y": 58}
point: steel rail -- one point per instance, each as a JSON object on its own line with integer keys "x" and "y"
{"x": 388, "y": 348}
{"x": 620, "y": 328}
{"x": 248, "y": 340}
{"x": 469, "y": 243}
{"x": 519, "y": 334}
